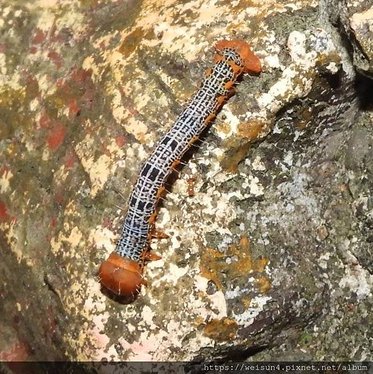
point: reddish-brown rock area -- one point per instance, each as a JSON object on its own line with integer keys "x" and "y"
{"x": 269, "y": 223}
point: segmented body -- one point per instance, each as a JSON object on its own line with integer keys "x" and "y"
{"x": 171, "y": 147}
{"x": 234, "y": 58}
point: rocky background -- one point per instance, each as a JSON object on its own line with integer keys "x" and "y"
{"x": 269, "y": 255}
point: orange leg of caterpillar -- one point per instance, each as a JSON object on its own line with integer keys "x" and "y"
{"x": 152, "y": 218}
{"x": 221, "y": 100}
{"x": 229, "y": 85}
{"x": 208, "y": 72}
{"x": 161, "y": 191}
{"x": 193, "y": 140}
{"x": 158, "y": 234}
{"x": 236, "y": 69}
{"x": 210, "y": 118}
{"x": 175, "y": 164}
{"x": 151, "y": 256}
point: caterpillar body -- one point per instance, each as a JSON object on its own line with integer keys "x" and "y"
{"x": 122, "y": 272}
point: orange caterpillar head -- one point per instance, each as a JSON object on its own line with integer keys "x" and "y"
{"x": 251, "y": 63}
{"x": 121, "y": 275}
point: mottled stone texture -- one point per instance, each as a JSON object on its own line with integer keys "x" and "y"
{"x": 270, "y": 222}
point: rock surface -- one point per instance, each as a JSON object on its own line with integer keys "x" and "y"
{"x": 270, "y": 221}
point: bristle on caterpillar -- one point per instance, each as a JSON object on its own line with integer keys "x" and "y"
{"x": 122, "y": 272}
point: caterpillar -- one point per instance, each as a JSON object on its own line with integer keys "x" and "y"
{"x": 122, "y": 272}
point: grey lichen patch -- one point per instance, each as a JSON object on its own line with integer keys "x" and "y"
{"x": 307, "y": 50}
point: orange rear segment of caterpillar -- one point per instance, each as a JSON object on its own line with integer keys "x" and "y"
{"x": 250, "y": 60}
{"x": 121, "y": 276}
